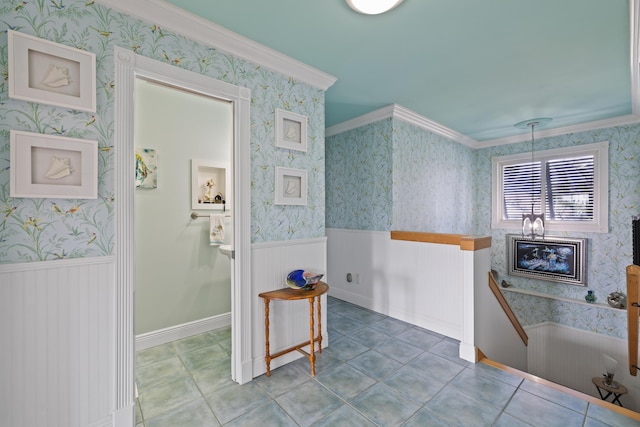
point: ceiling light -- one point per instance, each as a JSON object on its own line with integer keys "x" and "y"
{"x": 373, "y": 7}
{"x": 533, "y": 224}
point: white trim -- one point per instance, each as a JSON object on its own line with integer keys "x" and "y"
{"x": 128, "y": 66}
{"x": 203, "y": 31}
{"x": 630, "y": 119}
{"x": 401, "y": 113}
{"x": 185, "y": 330}
{"x": 284, "y": 243}
{"x": 47, "y": 265}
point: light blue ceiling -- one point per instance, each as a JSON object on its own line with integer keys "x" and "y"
{"x": 475, "y": 66}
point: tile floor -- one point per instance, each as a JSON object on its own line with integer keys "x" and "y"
{"x": 377, "y": 371}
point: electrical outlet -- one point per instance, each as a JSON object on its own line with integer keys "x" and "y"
{"x": 356, "y": 278}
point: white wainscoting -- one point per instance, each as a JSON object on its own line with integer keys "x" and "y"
{"x": 173, "y": 333}
{"x": 419, "y": 283}
{"x": 57, "y": 334}
{"x": 289, "y": 320}
{"x": 571, "y": 357}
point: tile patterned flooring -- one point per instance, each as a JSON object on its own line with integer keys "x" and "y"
{"x": 377, "y": 371}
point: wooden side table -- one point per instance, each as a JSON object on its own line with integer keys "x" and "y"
{"x": 289, "y": 294}
{"x": 616, "y": 392}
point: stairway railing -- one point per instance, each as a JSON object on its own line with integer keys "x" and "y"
{"x": 493, "y": 285}
{"x": 633, "y": 289}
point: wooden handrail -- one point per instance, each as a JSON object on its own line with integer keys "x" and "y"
{"x": 633, "y": 285}
{"x": 493, "y": 285}
{"x": 466, "y": 243}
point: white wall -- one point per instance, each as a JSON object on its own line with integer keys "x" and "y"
{"x": 289, "y": 320}
{"x": 180, "y": 278}
{"x": 572, "y": 357}
{"x": 426, "y": 284}
{"x": 57, "y": 329}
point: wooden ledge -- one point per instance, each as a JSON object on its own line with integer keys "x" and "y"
{"x": 466, "y": 243}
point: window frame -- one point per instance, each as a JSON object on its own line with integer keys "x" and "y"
{"x": 600, "y": 153}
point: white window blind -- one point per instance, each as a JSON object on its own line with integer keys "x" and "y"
{"x": 570, "y": 183}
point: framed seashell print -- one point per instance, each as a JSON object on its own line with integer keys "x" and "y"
{"x": 291, "y": 130}
{"x": 55, "y": 167}
{"x": 51, "y": 73}
{"x": 291, "y": 186}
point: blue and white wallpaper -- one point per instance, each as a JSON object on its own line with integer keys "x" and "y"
{"x": 608, "y": 254}
{"x": 49, "y": 229}
{"x": 394, "y": 175}
{"x": 444, "y": 187}
{"x": 359, "y": 168}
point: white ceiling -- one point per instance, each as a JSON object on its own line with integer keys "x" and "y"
{"x": 476, "y": 67}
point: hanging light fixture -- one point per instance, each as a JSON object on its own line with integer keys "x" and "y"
{"x": 533, "y": 224}
{"x": 373, "y": 7}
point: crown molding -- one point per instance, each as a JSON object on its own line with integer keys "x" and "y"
{"x": 583, "y": 127}
{"x": 206, "y": 32}
{"x": 401, "y": 113}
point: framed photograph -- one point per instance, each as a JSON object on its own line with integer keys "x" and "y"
{"x": 291, "y": 186}
{"x": 556, "y": 259}
{"x": 291, "y": 130}
{"x": 51, "y": 73}
{"x": 209, "y": 185}
{"x": 56, "y": 167}
{"x": 146, "y": 168}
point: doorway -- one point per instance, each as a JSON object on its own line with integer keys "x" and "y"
{"x": 129, "y": 67}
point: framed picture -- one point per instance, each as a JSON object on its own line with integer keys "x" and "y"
{"x": 556, "y": 259}
{"x": 209, "y": 182}
{"x": 56, "y": 167}
{"x": 51, "y": 73}
{"x": 291, "y": 130}
{"x": 146, "y": 168}
{"x": 291, "y": 186}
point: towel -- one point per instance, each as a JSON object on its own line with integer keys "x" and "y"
{"x": 216, "y": 230}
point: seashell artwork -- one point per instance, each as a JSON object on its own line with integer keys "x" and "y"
{"x": 59, "y": 168}
{"x": 57, "y": 76}
{"x": 292, "y": 188}
{"x": 292, "y": 133}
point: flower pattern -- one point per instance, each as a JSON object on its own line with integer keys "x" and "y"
{"x": 49, "y": 229}
{"x": 394, "y": 175}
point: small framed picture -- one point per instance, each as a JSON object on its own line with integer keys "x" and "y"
{"x": 209, "y": 182}
{"x": 291, "y": 130}
{"x": 51, "y": 73}
{"x": 146, "y": 168}
{"x": 556, "y": 259}
{"x": 291, "y": 186}
{"x": 56, "y": 167}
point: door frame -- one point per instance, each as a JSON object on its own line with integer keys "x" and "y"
{"x": 128, "y": 67}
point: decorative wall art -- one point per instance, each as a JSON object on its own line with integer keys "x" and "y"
{"x": 291, "y": 186}
{"x": 51, "y": 73}
{"x": 209, "y": 185}
{"x": 48, "y": 166}
{"x": 556, "y": 259}
{"x": 146, "y": 168}
{"x": 291, "y": 130}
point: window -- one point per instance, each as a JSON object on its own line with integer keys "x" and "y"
{"x": 570, "y": 183}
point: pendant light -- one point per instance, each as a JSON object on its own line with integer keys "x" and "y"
{"x": 373, "y": 7}
{"x": 533, "y": 223}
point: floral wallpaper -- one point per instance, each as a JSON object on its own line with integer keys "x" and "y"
{"x": 395, "y": 175}
{"x": 49, "y": 229}
{"x": 608, "y": 253}
{"x": 432, "y": 178}
{"x": 438, "y": 184}
{"x": 359, "y": 169}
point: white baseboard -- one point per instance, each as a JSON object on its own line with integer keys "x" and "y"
{"x": 173, "y": 333}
